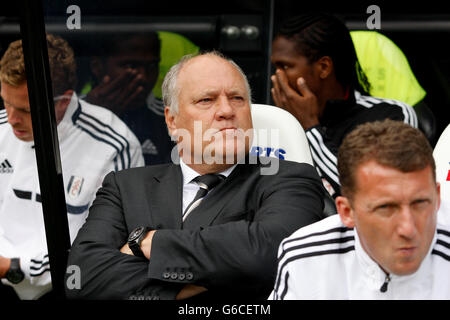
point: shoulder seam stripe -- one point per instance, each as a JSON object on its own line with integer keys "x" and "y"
{"x": 36, "y": 262}
{"x": 113, "y": 131}
{"x": 444, "y": 232}
{"x": 114, "y": 134}
{"x": 338, "y": 229}
{"x": 308, "y": 255}
{"x": 286, "y": 279}
{"x": 316, "y": 243}
{"x": 40, "y": 273}
{"x": 39, "y": 261}
{"x": 318, "y": 162}
{"x": 443, "y": 243}
{"x": 39, "y": 268}
{"x": 105, "y": 135}
{"x": 319, "y": 253}
{"x": 441, "y": 254}
{"x": 322, "y": 149}
{"x": 102, "y": 140}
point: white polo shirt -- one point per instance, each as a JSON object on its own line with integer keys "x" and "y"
{"x": 93, "y": 142}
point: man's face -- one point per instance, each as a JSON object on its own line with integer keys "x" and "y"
{"x": 394, "y": 214}
{"x": 137, "y": 56}
{"x": 213, "y": 100}
{"x": 286, "y": 57}
{"x": 18, "y": 109}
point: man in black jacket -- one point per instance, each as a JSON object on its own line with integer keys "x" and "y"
{"x": 180, "y": 246}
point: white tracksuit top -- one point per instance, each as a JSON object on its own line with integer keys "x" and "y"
{"x": 93, "y": 142}
{"x": 325, "y": 260}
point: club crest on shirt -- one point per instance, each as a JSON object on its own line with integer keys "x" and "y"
{"x": 448, "y": 175}
{"x": 328, "y": 186}
{"x": 74, "y": 187}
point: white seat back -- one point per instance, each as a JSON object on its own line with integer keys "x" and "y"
{"x": 278, "y": 134}
{"x": 441, "y": 156}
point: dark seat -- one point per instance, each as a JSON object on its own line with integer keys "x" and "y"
{"x": 427, "y": 121}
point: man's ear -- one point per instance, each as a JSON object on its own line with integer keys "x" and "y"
{"x": 438, "y": 189}
{"x": 345, "y": 211}
{"x": 325, "y": 66}
{"x": 170, "y": 121}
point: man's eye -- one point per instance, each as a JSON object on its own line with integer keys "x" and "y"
{"x": 128, "y": 66}
{"x": 282, "y": 66}
{"x": 420, "y": 204}
{"x": 385, "y": 208}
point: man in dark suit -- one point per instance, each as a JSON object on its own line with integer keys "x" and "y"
{"x": 147, "y": 237}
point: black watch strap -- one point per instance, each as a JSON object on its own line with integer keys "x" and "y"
{"x": 14, "y": 274}
{"x": 135, "y": 238}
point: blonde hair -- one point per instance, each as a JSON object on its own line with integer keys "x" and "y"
{"x": 61, "y": 61}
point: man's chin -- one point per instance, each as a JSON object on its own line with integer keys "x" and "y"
{"x": 23, "y": 135}
{"x": 225, "y": 156}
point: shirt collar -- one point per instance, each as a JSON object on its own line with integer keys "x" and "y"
{"x": 66, "y": 122}
{"x": 189, "y": 173}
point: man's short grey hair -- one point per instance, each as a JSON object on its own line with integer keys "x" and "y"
{"x": 170, "y": 90}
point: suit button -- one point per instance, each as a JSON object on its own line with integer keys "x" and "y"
{"x": 173, "y": 275}
{"x": 166, "y": 275}
{"x": 189, "y": 276}
{"x": 181, "y": 276}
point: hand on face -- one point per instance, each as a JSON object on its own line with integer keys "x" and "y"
{"x": 124, "y": 92}
{"x": 302, "y": 104}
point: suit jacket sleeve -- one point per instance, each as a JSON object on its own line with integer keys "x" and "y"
{"x": 242, "y": 253}
{"x": 105, "y": 272}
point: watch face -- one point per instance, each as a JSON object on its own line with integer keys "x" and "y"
{"x": 15, "y": 276}
{"x": 135, "y": 233}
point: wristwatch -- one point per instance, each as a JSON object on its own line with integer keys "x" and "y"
{"x": 135, "y": 238}
{"x": 14, "y": 274}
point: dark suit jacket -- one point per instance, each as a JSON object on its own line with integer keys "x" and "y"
{"x": 228, "y": 243}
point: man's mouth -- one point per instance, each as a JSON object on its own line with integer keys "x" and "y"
{"x": 19, "y": 132}
{"x": 407, "y": 251}
{"x": 228, "y": 128}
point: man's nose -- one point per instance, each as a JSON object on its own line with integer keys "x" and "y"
{"x": 14, "y": 117}
{"x": 225, "y": 109}
{"x": 406, "y": 226}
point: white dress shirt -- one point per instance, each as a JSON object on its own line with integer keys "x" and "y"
{"x": 190, "y": 188}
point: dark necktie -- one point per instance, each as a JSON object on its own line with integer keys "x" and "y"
{"x": 206, "y": 183}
